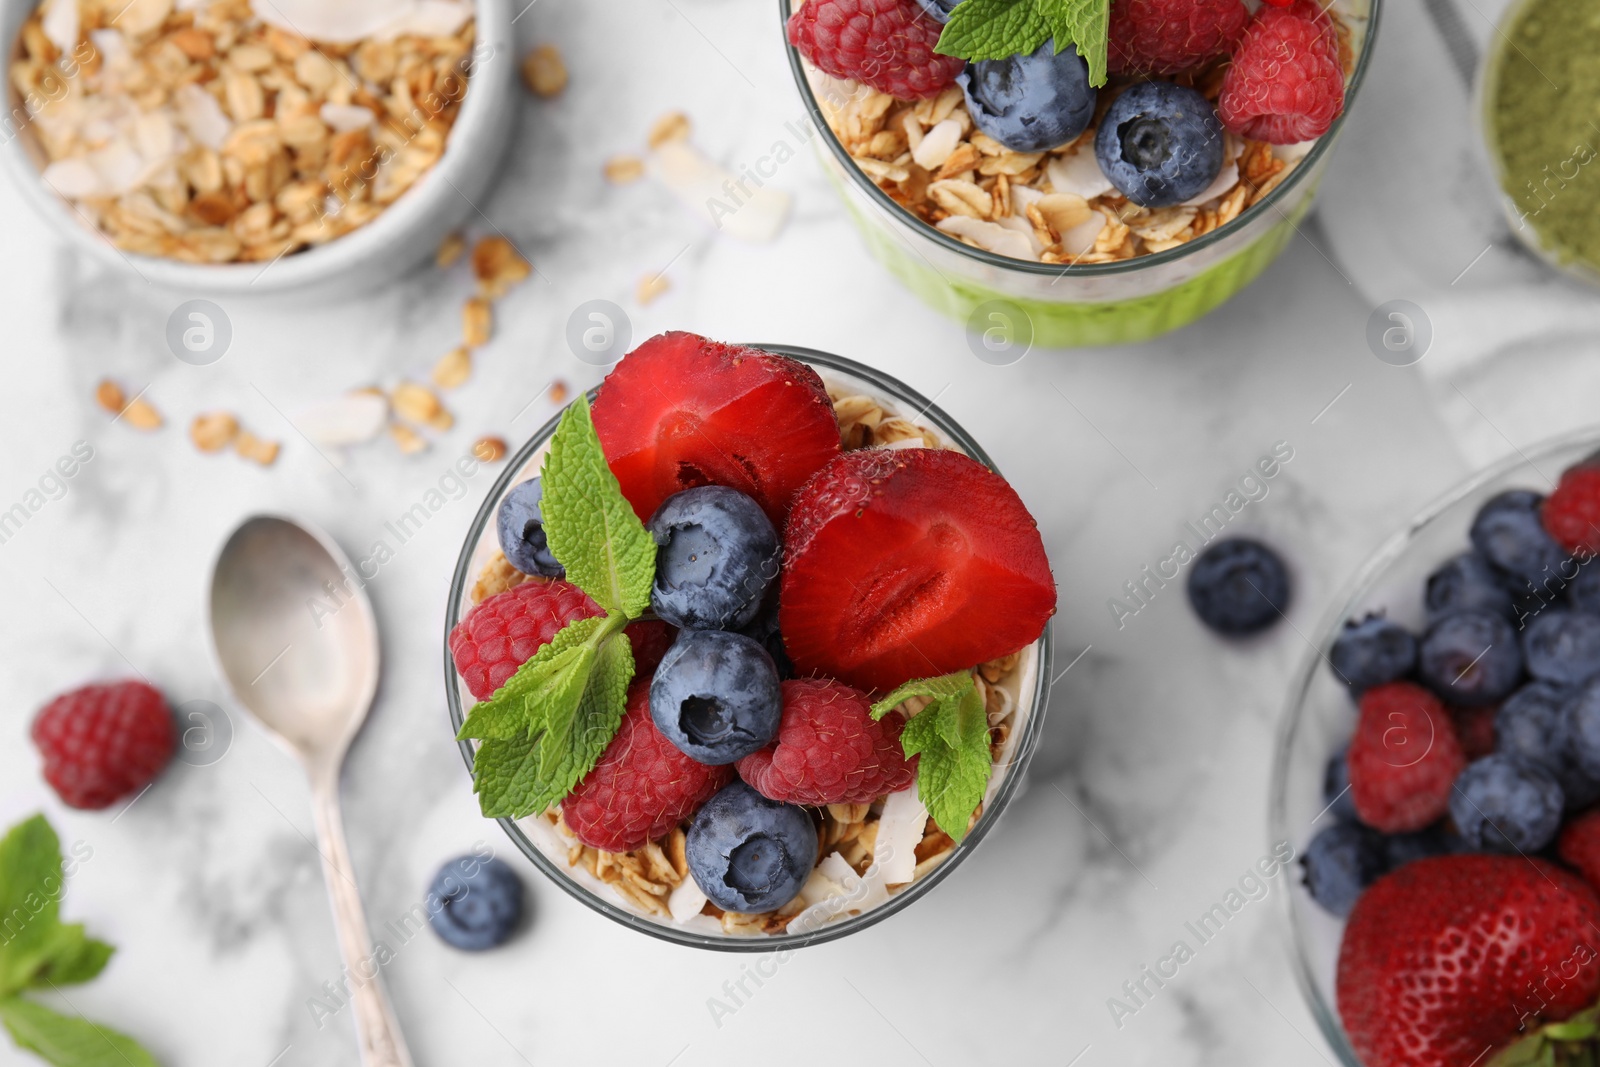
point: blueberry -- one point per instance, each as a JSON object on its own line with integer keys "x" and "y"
{"x": 1336, "y": 788}
{"x": 1509, "y": 533}
{"x": 1160, "y": 144}
{"x": 938, "y": 10}
{"x": 1470, "y": 658}
{"x": 1372, "y": 652}
{"x": 1580, "y": 728}
{"x": 764, "y": 632}
{"x": 521, "y": 528}
{"x": 1584, "y": 592}
{"x": 1467, "y": 583}
{"x": 1030, "y": 103}
{"x": 1401, "y": 849}
{"x": 1340, "y": 862}
{"x": 718, "y": 554}
{"x": 1531, "y": 725}
{"x": 1504, "y": 803}
{"x": 716, "y": 696}
{"x": 1239, "y": 586}
{"x": 748, "y": 853}
{"x": 474, "y": 903}
{"x": 1562, "y": 646}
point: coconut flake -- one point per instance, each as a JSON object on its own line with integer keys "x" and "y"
{"x": 430, "y": 18}
{"x": 61, "y": 25}
{"x": 120, "y": 168}
{"x": 344, "y": 420}
{"x": 1081, "y": 238}
{"x": 1079, "y": 173}
{"x": 74, "y": 179}
{"x": 686, "y": 901}
{"x": 343, "y": 118}
{"x": 899, "y": 832}
{"x": 1290, "y": 153}
{"x": 1226, "y": 179}
{"x": 1022, "y": 226}
{"x": 989, "y": 236}
{"x": 200, "y": 114}
{"x": 142, "y": 16}
{"x": 710, "y": 192}
{"x": 937, "y": 145}
{"x": 350, "y": 21}
{"x": 155, "y": 137}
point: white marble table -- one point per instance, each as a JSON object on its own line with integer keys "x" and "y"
{"x": 1146, "y": 802}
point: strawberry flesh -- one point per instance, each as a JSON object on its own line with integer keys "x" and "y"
{"x": 681, "y": 411}
{"x": 909, "y": 563}
{"x": 1450, "y": 957}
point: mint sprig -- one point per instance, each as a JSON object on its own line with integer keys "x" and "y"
{"x": 1573, "y": 1042}
{"x": 39, "y": 951}
{"x": 951, "y": 735}
{"x": 546, "y": 727}
{"x": 998, "y": 29}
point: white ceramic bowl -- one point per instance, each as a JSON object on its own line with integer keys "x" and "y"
{"x": 406, "y": 233}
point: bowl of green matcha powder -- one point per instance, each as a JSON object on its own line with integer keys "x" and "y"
{"x": 1539, "y": 107}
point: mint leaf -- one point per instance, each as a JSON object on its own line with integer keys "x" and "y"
{"x": 993, "y": 29}
{"x": 592, "y": 529}
{"x": 546, "y": 732}
{"x": 951, "y": 735}
{"x": 1085, "y": 24}
{"x": 67, "y": 1041}
{"x": 31, "y": 886}
{"x": 999, "y": 29}
{"x": 74, "y": 958}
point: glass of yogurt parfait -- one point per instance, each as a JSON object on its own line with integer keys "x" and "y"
{"x": 874, "y": 855}
{"x": 1038, "y": 233}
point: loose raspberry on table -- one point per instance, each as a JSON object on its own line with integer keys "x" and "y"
{"x": 1572, "y": 512}
{"x": 104, "y": 742}
{"x": 1170, "y": 36}
{"x": 641, "y": 787}
{"x": 1286, "y": 83}
{"x": 828, "y": 749}
{"x": 888, "y": 44}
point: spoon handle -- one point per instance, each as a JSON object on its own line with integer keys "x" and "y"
{"x": 382, "y": 1044}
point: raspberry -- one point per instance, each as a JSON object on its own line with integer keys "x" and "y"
{"x": 886, "y": 43}
{"x": 103, "y": 742}
{"x": 1475, "y": 730}
{"x": 1170, "y": 36}
{"x": 641, "y": 787}
{"x": 1579, "y": 845}
{"x": 1286, "y": 83}
{"x": 1404, "y": 758}
{"x": 502, "y": 633}
{"x": 1572, "y": 511}
{"x": 829, "y": 750}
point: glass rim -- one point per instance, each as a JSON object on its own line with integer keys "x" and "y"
{"x": 892, "y": 389}
{"x": 885, "y": 203}
{"x": 1349, "y": 598}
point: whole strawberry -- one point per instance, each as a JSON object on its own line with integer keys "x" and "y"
{"x": 888, "y": 44}
{"x": 1286, "y": 83}
{"x": 1404, "y": 758}
{"x": 104, "y": 742}
{"x": 1572, "y": 512}
{"x": 641, "y": 787}
{"x": 502, "y": 633}
{"x": 829, "y": 750}
{"x": 1171, "y": 36}
{"x": 1449, "y": 957}
{"x": 1579, "y": 845}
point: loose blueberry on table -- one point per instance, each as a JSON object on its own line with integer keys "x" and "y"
{"x": 714, "y": 537}
{"x": 1075, "y": 133}
{"x": 1469, "y": 866}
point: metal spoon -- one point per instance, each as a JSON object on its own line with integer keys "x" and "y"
{"x": 297, "y": 644}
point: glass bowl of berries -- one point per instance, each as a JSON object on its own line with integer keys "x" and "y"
{"x": 1437, "y": 771}
{"x": 749, "y": 647}
{"x": 1080, "y": 179}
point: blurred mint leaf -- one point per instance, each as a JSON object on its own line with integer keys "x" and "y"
{"x": 68, "y": 1041}
{"x": 31, "y": 886}
{"x": 591, "y": 527}
{"x": 73, "y": 958}
{"x": 951, "y": 735}
{"x": 999, "y": 29}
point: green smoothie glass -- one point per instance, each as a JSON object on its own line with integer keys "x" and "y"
{"x": 1085, "y": 304}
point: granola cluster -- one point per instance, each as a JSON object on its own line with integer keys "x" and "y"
{"x": 1044, "y": 207}
{"x": 204, "y": 134}
{"x": 646, "y": 879}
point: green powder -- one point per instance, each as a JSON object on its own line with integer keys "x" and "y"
{"x": 1545, "y": 110}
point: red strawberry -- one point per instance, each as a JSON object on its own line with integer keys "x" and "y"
{"x": 909, "y": 563}
{"x": 1449, "y": 957}
{"x": 1572, "y": 511}
{"x": 641, "y": 787}
{"x": 1579, "y": 845}
{"x": 681, "y": 411}
{"x": 506, "y": 630}
{"x": 1404, "y": 758}
{"x": 829, "y": 750}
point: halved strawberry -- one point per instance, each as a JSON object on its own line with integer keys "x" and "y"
{"x": 909, "y": 563}
{"x": 681, "y": 411}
